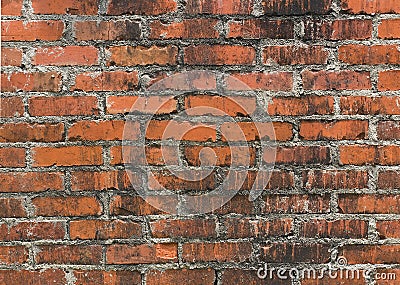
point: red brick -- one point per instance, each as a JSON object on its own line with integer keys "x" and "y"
{"x": 250, "y": 277}
{"x": 275, "y": 179}
{"x": 336, "y": 130}
{"x": 11, "y": 107}
{"x": 99, "y": 180}
{"x": 187, "y": 81}
{"x": 107, "y": 30}
{"x": 139, "y": 55}
{"x": 223, "y": 7}
{"x": 69, "y": 254}
{"x": 295, "y": 252}
{"x": 13, "y": 255}
{"x": 12, "y": 157}
{"x": 389, "y": 179}
{"x": 389, "y": 29}
{"x": 31, "y": 181}
{"x": 146, "y": 105}
{"x": 150, "y": 155}
{"x": 198, "y": 105}
{"x": 253, "y": 131}
{"x": 220, "y": 155}
{"x": 74, "y": 7}
{"x": 31, "y": 31}
{"x": 101, "y": 229}
{"x": 334, "y": 229}
{"x": 66, "y": 206}
{"x": 336, "y": 80}
{"x": 181, "y": 276}
{"x": 388, "y": 80}
{"x": 103, "y": 130}
{"x": 11, "y": 7}
{"x": 142, "y": 253}
{"x": 63, "y": 106}
{"x": 356, "y": 279}
{"x": 296, "y": 203}
{"x": 365, "y": 105}
{"x": 67, "y": 156}
{"x": 298, "y": 155}
{"x": 239, "y": 204}
{"x": 369, "y": 204}
{"x": 261, "y": 29}
{"x": 96, "y": 277}
{"x": 187, "y": 29}
{"x": 12, "y": 208}
{"x": 290, "y": 55}
{"x": 365, "y": 154}
{"x": 193, "y": 228}
{"x": 217, "y": 251}
{"x": 371, "y": 55}
{"x": 118, "y": 7}
{"x": 106, "y": 81}
{"x": 370, "y": 6}
{"x": 273, "y": 81}
{"x": 387, "y": 276}
{"x": 29, "y": 231}
{"x": 135, "y": 205}
{"x": 219, "y": 55}
{"x": 46, "y": 276}
{"x": 247, "y": 227}
{"x": 300, "y": 106}
{"x": 185, "y": 131}
{"x": 296, "y": 7}
{"x": 389, "y": 130}
{"x": 346, "y": 29}
{"x": 69, "y": 55}
{"x": 181, "y": 180}
{"x": 375, "y": 254}
{"x": 31, "y": 82}
{"x": 11, "y": 56}
{"x": 25, "y": 132}
{"x": 388, "y": 229}
{"x": 335, "y": 179}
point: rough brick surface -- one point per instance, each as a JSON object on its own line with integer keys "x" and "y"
{"x": 298, "y": 116}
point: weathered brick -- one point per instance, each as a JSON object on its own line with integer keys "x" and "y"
{"x": 295, "y": 252}
{"x": 12, "y": 157}
{"x": 66, "y": 56}
{"x": 217, "y": 251}
{"x": 13, "y": 255}
{"x": 118, "y": 7}
{"x": 67, "y": 156}
{"x": 335, "y": 179}
{"x": 261, "y": 29}
{"x": 190, "y": 228}
{"x": 74, "y": 7}
{"x": 31, "y": 81}
{"x": 388, "y": 229}
{"x": 299, "y": 106}
{"x": 343, "y": 29}
{"x": 296, "y": 7}
{"x": 336, "y": 130}
{"x": 101, "y": 229}
{"x": 292, "y": 55}
{"x": 44, "y": 276}
{"x": 369, "y": 204}
{"x": 146, "y": 105}
{"x": 135, "y": 205}
{"x": 30, "y": 231}
{"x": 389, "y": 29}
{"x": 106, "y": 81}
{"x": 11, "y": 107}
{"x": 63, "y": 106}
{"x": 375, "y": 254}
{"x": 103, "y": 130}
{"x": 366, "y": 105}
{"x": 119, "y": 30}
{"x": 181, "y": 276}
{"x": 274, "y": 81}
{"x": 142, "y": 253}
{"x": 219, "y": 55}
{"x": 184, "y": 131}
{"x": 138, "y": 55}
{"x": 389, "y": 179}
{"x": 31, "y": 31}
{"x": 66, "y": 206}
{"x": 370, "y": 6}
{"x": 95, "y": 277}
{"x": 300, "y": 204}
{"x": 334, "y": 229}
{"x": 99, "y": 180}
{"x": 25, "y": 132}
{"x": 371, "y": 55}
{"x": 69, "y": 254}
{"x": 388, "y": 80}
{"x": 247, "y": 227}
{"x": 31, "y": 181}
{"x": 336, "y": 80}
{"x": 11, "y": 56}
{"x": 388, "y": 130}
{"x": 11, "y": 7}
{"x": 253, "y": 131}
{"x": 12, "y": 208}
{"x": 187, "y": 29}
{"x": 223, "y": 7}
{"x": 298, "y": 155}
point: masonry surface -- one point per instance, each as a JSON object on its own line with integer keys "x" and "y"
{"x": 327, "y": 73}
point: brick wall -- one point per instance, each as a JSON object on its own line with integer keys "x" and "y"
{"x": 325, "y": 71}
